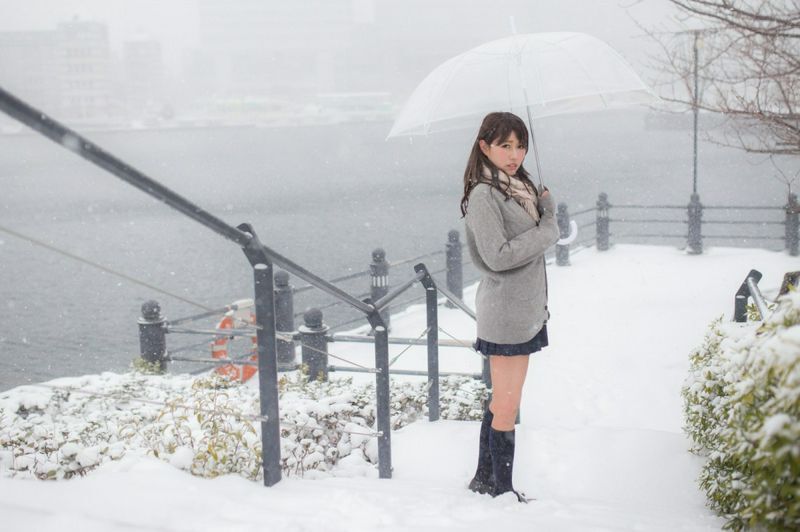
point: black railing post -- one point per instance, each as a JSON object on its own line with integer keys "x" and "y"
{"x": 284, "y": 319}
{"x": 267, "y": 356}
{"x": 153, "y": 335}
{"x": 562, "y": 218}
{"x": 740, "y": 301}
{"x": 382, "y": 393}
{"x": 314, "y": 342}
{"x": 602, "y": 222}
{"x": 432, "y": 313}
{"x": 793, "y": 225}
{"x": 379, "y": 280}
{"x": 695, "y": 237}
{"x": 455, "y": 268}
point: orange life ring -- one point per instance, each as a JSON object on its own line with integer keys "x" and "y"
{"x": 219, "y": 350}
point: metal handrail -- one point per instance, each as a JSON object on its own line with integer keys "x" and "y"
{"x": 457, "y": 302}
{"x": 356, "y": 275}
{"x": 261, "y": 259}
{"x": 93, "y": 153}
{"x": 247, "y": 303}
{"x": 583, "y": 211}
{"x": 758, "y": 297}
{"x": 388, "y": 298}
{"x": 354, "y": 338}
{"x": 407, "y": 372}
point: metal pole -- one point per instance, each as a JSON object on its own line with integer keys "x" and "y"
{"x": 793, "y": 225}
{"x": 486, "y": 372}
{"x": 740, "y": 301}
{"x": 695, "y": 110}
{"x": 602, "y": 222}
{"x": 695, "y": 237}
{"x": 457, "y": 302}
{"x": 153, "y": 335}
{"x": 284, "y": 319}
{"x": 455, "y": 268}
{"x": 74, "y": 142}
{"x": 267, "y": 358}
{"x": 562, "y": 219}
{"x": 393, "y": 371}
{"x": 740, "y": 308}
{"x": 432, "y": 313}
{"x": 382, "y": 303}
{"x": 758, "y": 298}
{"x": 533, "y": 137}
{"x": 379, "y": 280}
{"x": 314, "y": 341}
{"x": 382, "y": 393}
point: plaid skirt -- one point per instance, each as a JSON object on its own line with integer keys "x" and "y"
{"x": 531, "y": 346}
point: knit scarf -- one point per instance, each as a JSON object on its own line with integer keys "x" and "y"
{"x": 519, "y": 190}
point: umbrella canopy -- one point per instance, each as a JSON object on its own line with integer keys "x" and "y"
{"x": 537, "y": 75}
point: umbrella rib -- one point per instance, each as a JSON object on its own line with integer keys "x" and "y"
{"x": 460, "y": 58}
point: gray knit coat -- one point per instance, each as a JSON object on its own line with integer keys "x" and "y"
{"x": 508, "y": 247}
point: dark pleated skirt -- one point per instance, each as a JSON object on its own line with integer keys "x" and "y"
{"x": 531, "y": 346}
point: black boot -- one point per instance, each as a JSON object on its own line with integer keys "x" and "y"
{"x": 502, "y": 449}
{"x": 483, "y": 481}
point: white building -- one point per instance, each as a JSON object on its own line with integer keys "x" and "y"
{"x": 65, "y": 72}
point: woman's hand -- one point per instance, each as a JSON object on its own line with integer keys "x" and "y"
{"x": 546, "y": 204}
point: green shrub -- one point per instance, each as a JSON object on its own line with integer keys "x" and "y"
{"x": 742, "y": 406}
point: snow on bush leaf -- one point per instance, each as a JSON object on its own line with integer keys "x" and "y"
{"x": 203, "y": 427}
{"x": 742, "y": 408}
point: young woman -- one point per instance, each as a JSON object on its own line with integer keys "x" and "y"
{"x": 509, "y": 226}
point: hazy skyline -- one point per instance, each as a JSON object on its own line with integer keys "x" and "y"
{"x": 176, "y": 23}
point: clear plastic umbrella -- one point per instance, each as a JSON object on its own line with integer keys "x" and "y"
{"x": 533, "y": 75}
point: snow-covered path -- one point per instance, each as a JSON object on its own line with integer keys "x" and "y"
{"x": 600, "y": 445}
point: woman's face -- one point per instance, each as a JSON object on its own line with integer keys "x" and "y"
{"x": 507, "y": 155}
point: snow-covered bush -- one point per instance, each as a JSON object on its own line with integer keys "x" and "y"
{"x": 742, "y": 404}
{"x": 207, "y": 425}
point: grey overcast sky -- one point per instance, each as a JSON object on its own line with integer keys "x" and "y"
{"x": 175, "y": 24}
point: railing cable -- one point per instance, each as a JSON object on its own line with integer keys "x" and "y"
{"x": 106, "y": 269}
{"x": 392, "y": 361}
{"x": 459, "y": 341}
{"x": 102, "y": 268}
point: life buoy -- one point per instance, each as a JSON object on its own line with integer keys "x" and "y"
{"x": 219, "y": 347}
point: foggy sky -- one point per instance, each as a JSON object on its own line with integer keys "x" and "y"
{"x": 175, "y": 22}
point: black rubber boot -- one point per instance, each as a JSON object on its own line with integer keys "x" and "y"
{"x": 501, "y": 444}
{"x": 483, "y": 481}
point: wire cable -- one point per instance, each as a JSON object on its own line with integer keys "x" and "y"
{"x": 101, "y": 267}
{"x": 392, "y": 361}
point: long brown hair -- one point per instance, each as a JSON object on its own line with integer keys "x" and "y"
{"x": 495, "y": 126}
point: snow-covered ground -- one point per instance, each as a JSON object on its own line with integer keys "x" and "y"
{"x": 600, "y": 445}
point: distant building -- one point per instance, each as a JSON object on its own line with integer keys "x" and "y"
{"x": 28, "y": 67}
{"x": 302, "y": 48}
{"x": 65, "y": 72}
{"x": 83, "y": 59}
{"x": 277, "y": 48}
{"x": 144, "y": 76}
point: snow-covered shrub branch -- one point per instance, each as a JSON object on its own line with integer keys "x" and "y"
{"x": 204, "y": 425}
{"x": 742, "y": 402}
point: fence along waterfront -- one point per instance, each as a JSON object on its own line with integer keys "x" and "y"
{"x": 262, "y": 258}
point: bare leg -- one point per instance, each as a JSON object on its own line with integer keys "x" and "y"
{"x": 508, "y": 377}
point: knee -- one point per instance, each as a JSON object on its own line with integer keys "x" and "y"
{"x": 505, "y": 413}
